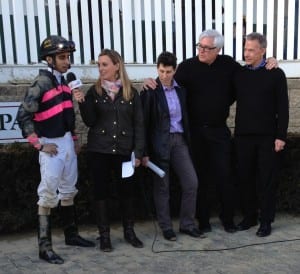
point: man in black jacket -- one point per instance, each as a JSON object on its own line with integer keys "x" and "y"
{"x": 261, "y": 124}
{"x": 167, "y": 138}
{"x": 207, "y": 78}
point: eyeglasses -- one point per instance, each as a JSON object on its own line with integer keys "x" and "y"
{"x": 204, "y": 48}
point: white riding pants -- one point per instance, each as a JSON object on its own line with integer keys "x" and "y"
{"x": 58, "y": 173}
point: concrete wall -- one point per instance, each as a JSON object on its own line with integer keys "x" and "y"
{"x": 15, "y": 93}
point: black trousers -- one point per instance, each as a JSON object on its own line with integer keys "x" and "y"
{"x": 257, "y": 166}
{"x": 211, "y": 148}
{"x": 104, "y": 168}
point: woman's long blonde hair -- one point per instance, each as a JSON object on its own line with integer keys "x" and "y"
{"x": 122, "y": 74}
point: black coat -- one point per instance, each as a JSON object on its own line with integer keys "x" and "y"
{"x": 157, "y": 122}
{"x": 115, "y": 127}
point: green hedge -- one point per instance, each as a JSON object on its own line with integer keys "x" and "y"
{"x": 19, "y": 171}
{"x": 289, "y": 177}
{"x": 20, "y": 176}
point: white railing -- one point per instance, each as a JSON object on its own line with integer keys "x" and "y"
{"x": 141, "y": 29}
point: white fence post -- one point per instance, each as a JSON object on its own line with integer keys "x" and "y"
{"x": 239, "y": 32}
{"x": 178, "y": 30}
{"x": 219, "y": 15}
{"x": 188, "y": 29}
{"x": 148, "y": 31}
{"x": 141, "y": 29}
{"x": 31, "y": 32}
{"x": 86, "y": 43}
{"x": 208, "y": 15}
{"x": 270, "y": 28}
{"x": 63, "y": 19}
{"x": 260, "y": 16}
{"x": 138, "y": 31}
{"x": 158, "y": 27}
{"x": 198, "y": 21}
{"x": 41, "y": 20}
{"x": 228, "y": 27}
{"x": 8, "y": 45}
{"x": 96, "y": 28}
{"x": 291, "y": 30}
{"x": 127, "y": 31}
{"x": 298, "y": 34}
{"x": 169, "y": 25}
{"x": 280, "y": 29}
{"x": 116, "y": 14}
{"x": 106, "y": 26}
{"x": 19, "y": 31}
{"x": 52, "y": 16}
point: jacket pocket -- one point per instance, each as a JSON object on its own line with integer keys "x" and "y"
{"x": 126, "y": 139}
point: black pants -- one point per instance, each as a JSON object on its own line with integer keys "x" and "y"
{"x": 211, "y": 148}
{"x": 104, "y": 168}
{"x": 257, "y": 166}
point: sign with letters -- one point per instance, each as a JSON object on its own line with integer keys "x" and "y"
{"x": 9, "y": 128}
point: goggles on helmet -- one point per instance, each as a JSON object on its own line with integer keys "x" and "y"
{"x": 65, "y": 46}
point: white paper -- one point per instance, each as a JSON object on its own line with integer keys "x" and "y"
{"x": 128, "y": 167}
{"x": 133, "y": 159}
{"x": 156, "y": 169}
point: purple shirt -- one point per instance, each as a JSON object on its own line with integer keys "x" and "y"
{"x": 174, "y": 108}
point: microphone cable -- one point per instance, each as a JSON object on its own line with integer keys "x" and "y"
{"x": 218, "y": 249}
{"x": 211, "y": 249}
{"x": 151, "y": 215}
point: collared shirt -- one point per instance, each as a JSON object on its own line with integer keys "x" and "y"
{"x": 174, "y": 108}
{"x": 57, "y": 75}
{"x": 262, "y": 64}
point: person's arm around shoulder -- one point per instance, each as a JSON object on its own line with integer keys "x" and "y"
{"x": 271, "y": 63}
{"x": 149, "y": 83}
{"x": 182, "y": 73}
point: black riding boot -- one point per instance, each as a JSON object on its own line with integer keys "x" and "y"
{"x": 103, "y": 225}
{"x": 45, "y": 241}
{"x": 129, "y": 234}
{"x": 126, "y": 205}
{"x": 70, "y": 228}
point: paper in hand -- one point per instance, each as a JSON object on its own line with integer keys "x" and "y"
{"x": 128, "y": 167}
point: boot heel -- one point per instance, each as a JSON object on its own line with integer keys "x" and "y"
{"x": 103, "y": 225}
{"x": 105, "y": 243}
{"x": 72, "y": 236}
{"x": 130, "y": 236}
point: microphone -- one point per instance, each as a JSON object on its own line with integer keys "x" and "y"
{"x": 73, "y": 83}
